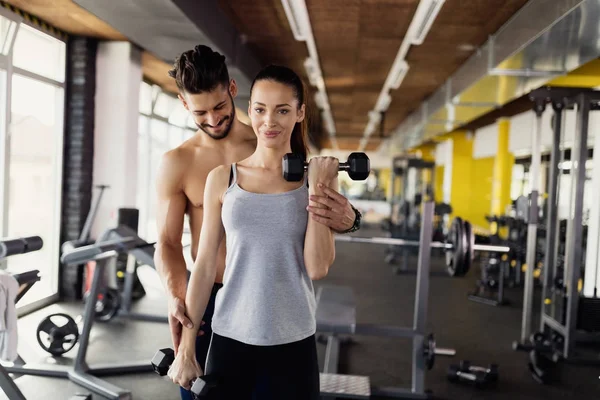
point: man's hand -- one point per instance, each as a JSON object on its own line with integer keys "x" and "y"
{"x": 333, "y": 210}
{"x": 178, "y": 318}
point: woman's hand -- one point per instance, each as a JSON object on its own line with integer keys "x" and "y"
{"x": 185, "y": 369}
{"x": 322, "y": 170}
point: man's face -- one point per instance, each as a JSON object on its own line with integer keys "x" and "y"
{"x": 213, "y": 111}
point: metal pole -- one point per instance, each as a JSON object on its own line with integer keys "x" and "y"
{"x": 552, "y": 208}
{"x": 89, "y": 315}
{"x": 574, "y": 243}
{"x": 421, "y": 298}
{"x": 534, "y": 173}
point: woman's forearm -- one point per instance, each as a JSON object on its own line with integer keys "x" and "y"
{"x": 196, "y": 300}
{"x": 319, "y": 245}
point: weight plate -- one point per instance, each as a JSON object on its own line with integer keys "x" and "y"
{"x": 456, "y": 258}
{"x": 57, "y": 333}
{"x": 107, "y": 304}
{"x": 429, "y": 351}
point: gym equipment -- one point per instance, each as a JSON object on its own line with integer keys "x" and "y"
{"x": 460, "y": 246}
{"x": 161, "y": 362}
{"x": 57, "y": 338}
{"x": 564, "y": 305}
{"x": 110, "y": 302}
{"x": 411, "y": 183}
{"x": 357, "y": 166}
{"x": 107, "y": 304}
{"x": 26, "y": 280}
{"x": 80, "y": 372}
{"x": 73, "y": 274}
{"x": 336, "y": 315}
{"x": 479, "y": 376}
{"x": 84, "y": 236}
{"x": 142, "y": 252}
{"x": 20, "y": 246}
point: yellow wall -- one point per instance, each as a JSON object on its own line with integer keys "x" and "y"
{"x": 482, "y": 173}
{"x": 502, "y": 176}
{"x": 385, "y": 180}
{"x": 439, "y": 184}
{"x": 460, "y": 196}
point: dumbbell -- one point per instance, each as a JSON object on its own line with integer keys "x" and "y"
{"x": 456, "y": 375}
{"x": 491, "y": 371}
{"x": 201, "y": 386}
{"x": 358, "y": 167}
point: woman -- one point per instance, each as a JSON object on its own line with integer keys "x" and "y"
{"x": 264, "y": 321}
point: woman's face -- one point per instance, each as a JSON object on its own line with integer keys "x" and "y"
{"x": 274, "y": 112}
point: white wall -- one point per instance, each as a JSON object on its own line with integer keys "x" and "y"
{"x": 485, "y": 143}
{"x": 118, "y": 80}
{"x": 443, "y": 157}
{"x": 521, "y": 128}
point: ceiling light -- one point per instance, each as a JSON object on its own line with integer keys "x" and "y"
{"x": 423, "y": 19}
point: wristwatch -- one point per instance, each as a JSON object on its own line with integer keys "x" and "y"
{"x": 357, "y": 219}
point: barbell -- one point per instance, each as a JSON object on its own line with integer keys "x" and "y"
{"x": 459, "y": 246}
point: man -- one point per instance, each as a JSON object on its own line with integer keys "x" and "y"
{"x": 207, "y": 92}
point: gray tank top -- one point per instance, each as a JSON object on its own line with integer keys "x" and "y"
{"x": 267, "y": 297}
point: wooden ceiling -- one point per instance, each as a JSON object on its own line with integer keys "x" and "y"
{"x": 357, "y": 41}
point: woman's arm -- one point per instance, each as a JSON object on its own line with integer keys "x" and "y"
{"x": 319, "y": 242}
{"x": 204, "y": 271}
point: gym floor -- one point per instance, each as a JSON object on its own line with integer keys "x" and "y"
{"x": 479, "y": 333}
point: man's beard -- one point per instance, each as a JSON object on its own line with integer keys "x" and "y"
{"x": 228, "y": 121}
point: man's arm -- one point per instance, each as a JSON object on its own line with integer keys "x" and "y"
{"x": 168, "y": 256}
{"x": 335, "y": 211}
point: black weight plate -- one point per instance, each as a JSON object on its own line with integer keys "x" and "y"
{"x": 456, "y": 258}
{"x": 57, "y": 333}
{"x": 470, "y": 241}
{"x": 108, "y": 304}
{"x": 429, "y": 351}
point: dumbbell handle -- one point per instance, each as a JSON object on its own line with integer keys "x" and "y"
{"x": 441, "y": 351}
{"x": 342, "y": 167}
{"x": 477, "y": 368}
{"x": 466, "y": 375}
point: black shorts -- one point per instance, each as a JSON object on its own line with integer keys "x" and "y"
{"x": 290, "y": 371}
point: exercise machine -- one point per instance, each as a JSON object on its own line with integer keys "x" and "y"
{"x": 25, "y": 280}
{"x": 102, "y": 251}
{"x": 411, "y": 185}
{"x": 140, "y": 252}
{"x": 570, "y": 321}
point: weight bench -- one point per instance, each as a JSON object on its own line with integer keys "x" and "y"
{"x": 336, "y": 313}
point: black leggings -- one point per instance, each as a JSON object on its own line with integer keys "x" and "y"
{"x": 291, "y": 371}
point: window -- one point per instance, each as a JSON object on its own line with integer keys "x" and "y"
{"x": 35, "y": 174}
{"x": 161, "y": 129}
{"x": 30, "y": 196}
{"x": 39, "y": 53}
{"x": 7, "y": 31}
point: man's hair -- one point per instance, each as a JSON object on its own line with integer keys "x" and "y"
{"x": 200, "y": 70}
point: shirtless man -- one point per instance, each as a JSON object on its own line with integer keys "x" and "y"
{"x": 207, "y": 92}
